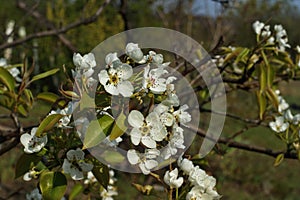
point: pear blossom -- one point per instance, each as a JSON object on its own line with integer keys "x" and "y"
{"x": 145, "y": 161}
{"x": 171, "y": 178}
{"x": 176, "y": 141}
{"x": 34, "y": 195}
{"x": 67, "y": 111}
{"x": 182, "y": 116}
{"x": 134, "y": 52}
{"x": 112, "y": 59}
{"x": 281, "y": 37}
{"x": 296, "y": 119}
{"x": 279, "y": 125}
{"x": 197, "y": 176}
{"x": 90, "y": 178}
{"x": 156, "y": 58}
{"x": 288, "y": 115}
{"x": 153, "y": 81}
{"x": 148, "y": 130}
{"x": 298, "y": 49}
{"x": 185, "y": 165}
{"x": 258, "y": 27}
{"x": 165, "y": 116}
{"x": 115, "y": 80}
{"x": 75, "y": 165}
{"x": 86, "y": 62}
{"x": 283, "y": 105}
{"x": 109, "y": 193}
{"x": 32, "y": 143}
{"x": 199, "y": 193}
{"x": 30, "y": 174}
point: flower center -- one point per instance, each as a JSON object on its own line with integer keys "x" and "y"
{"x": 114, "y": 79}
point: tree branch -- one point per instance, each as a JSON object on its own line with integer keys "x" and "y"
{"x": 246, "y": 147}
{"x": 52, "y": 32}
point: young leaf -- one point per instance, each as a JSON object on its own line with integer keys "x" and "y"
{"x": 119, "y": 127}
{"x": 278, "y": 160}
{"x": 97, "y": 131}
{"x": 25, "y": 163}
{"x": 101, "y": 173}
{"x": 76, "y": 190}
{"x": 53, "y": 185}
{"x": 262, "y": 103}
{"x": 7, "y": 79}
{"x": 51, "y": 98}
{"x": 48, "y": 123}
{"x": 43, "y": 75}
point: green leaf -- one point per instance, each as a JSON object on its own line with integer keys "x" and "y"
{"x": 101, "y": 173}
{"x": 51, "y": 98}
{"x": 262, "y": 77}
{"x": 29, "y": 97}
{"x": 119, "y": 127}
{"x": 76, "y": 190}
{"x": 262, "y": 103}
{"x": 113, "y": 157}
{"x": 22, "y": 110}
{"x": 273, "y": 97}
{"x": 97, "y": 131}
{"x": 48, "y": 123}
{"x": 53, "y": 185}
{"x": 7, "y": 79}
{"x": 25, "y": 163}
{"x": 43, "y": 75}
{"x": 278, "y": 160}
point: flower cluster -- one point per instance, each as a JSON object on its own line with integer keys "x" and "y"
{"x": 203, "y": 185}
{"x": 286, "y": 122}
{"x": 279, "y": 38}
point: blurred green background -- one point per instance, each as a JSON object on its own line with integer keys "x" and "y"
{"x": 240, "y": 174}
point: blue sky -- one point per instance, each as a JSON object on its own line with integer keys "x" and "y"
{"x": 213, "y": 8}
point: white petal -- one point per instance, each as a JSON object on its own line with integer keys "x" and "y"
{"x": 124, "y": 71}
{"x": 148, "y": 142}
{"x": 103, "y": 77}
{"x": 150, "y": 164}
{"x": 86, "y": 166}
{"x": 135, "y": 119}
{"x": 133, "y": 157}
{"x": 144, "y": 169}
{"x": 25, "y": 138}
{"x": 76, "y": 174}
{"x": 66, "y": 166}
{"x": 125, "y": 88}
{"x": 111, "y": 89}
{"x": 135, "y": 136}
{"x": 27, "y": 176}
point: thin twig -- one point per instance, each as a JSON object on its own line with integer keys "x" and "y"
{"x": 64, "y": 29}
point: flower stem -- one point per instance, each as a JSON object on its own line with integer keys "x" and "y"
{"x": 176, "y": 193}
{"x": 170, "y": 193}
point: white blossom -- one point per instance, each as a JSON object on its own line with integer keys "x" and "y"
{"x": 109, "y": 193}
{"x": 112, "y": 58}
{"x": 185, "y": 165}
{"x": 84, "y": 63}
{"x": 90, "y": 178}
{"x": 145, "y": 161}
{"x": 148, "y": 130}
{"x": 197, "y": 175}
{"x": 134, "y": 52}
{"x": 281, "y": 37}
{"x": 153, "y": 81}
{"x": 67, "y": 111}
{"x": 258, "y": 27}
{"x": 156, "y": 58}
{"x": 171, "y": 178}
{"x": 279, "y": 125}
{"x": 283, "y": 105}
{"x": 176, "y": 141}
{"x": 32, "y": 143}
{"x": 75, "y": 165}
{"x": 182, "y": 116}
{"x": 115, "y": 80}
{"x": 198, "y": 193}
{"x": 30, "y": 175}
{"x": 296, "y": 119}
